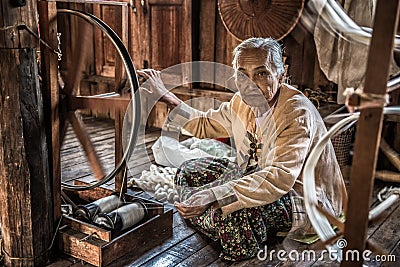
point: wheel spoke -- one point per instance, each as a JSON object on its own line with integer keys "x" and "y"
{"x": 83, "y": 137}
{"x": 79, "y": 57}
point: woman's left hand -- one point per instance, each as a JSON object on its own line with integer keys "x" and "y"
{"x": 196, "y": 204}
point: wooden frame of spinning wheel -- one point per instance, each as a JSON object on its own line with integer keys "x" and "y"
{"x": 99, "y": 246}
{"x": 64, "y": 108}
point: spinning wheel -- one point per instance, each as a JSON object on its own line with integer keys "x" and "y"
{"x": 71, "y": 99}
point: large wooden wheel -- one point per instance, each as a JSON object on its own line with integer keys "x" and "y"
{"x": 72, "y": 68}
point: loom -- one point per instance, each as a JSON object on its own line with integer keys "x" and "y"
{"x": 319, "y": 220}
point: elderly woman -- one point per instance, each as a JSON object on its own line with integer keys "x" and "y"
{"x": 274, "y": 128}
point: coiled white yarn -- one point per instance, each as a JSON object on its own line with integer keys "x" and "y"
{"x": 159, "y": 180}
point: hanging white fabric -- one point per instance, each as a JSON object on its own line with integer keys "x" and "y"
{"x": 342, "y": 58}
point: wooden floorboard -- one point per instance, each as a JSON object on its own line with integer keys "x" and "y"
{"x": 396, "y": 253}
{"x": 203, "y": 257}
{"x": 187, "y": 247}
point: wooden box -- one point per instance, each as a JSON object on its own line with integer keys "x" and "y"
{"x": 100, "y": 247}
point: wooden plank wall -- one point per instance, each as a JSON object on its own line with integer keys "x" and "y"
{"x": 217, "y": 44}
{"x": 164, "y": 33}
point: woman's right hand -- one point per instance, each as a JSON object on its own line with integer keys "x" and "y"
{"x": 156, "y": 89}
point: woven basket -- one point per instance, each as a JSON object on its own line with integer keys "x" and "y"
{"x": 342, "y": 146}
{"x": 261, "y": 18}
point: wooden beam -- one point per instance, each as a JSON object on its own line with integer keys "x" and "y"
{"x": 121, "y": 29}
{"x": 79, "y": 57}
{"x": 99, "y": 50}
{"x": 11, "y": 16}
{"x": 369, "y": 129}
{"x": 186, "y": 39}
{"x": 26, "y": 202}
{"x": 99, "y": 103}
{"x": 208, "y": 13}
{"x": 50, "y": 89}
{"x": 25, "y": 189}
{"x": 121, "y": 19}
{"x": 87, "y": 145}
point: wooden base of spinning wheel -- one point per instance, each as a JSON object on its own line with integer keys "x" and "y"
{"x": 100, "y": 247}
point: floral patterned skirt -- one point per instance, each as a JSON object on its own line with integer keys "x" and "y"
{"x": 242, "y": 232}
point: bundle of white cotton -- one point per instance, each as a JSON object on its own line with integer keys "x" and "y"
{"x": 158, "y": 180}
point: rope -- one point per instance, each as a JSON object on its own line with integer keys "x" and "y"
{"x": 29, "y": 30}
{"x": 8, "y": 27}
{"x": 360, "y": 100}
{"x": 31, "y": 258}
{"x": 95, "y": 234}
{"x": 363, "y": 100}
{"x": 387, "y": 197}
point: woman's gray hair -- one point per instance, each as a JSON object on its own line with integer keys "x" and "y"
{"x": 269, "y": 45}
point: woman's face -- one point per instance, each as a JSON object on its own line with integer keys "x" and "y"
{"x": 256, "y": 79}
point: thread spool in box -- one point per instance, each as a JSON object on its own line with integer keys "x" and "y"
{"x": 122, "y": 218}
{"x": 103, "y": 205}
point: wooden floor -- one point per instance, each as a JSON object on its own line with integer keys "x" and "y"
{"x": 188, "y": 247}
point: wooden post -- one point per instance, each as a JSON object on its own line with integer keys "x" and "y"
{"x": 206, "y": 31}
{"x": 121, "y": 19}
{"x": 369, "y": 131}
{"x": 25, "y": 188}
{"x": 50, "y": 89}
